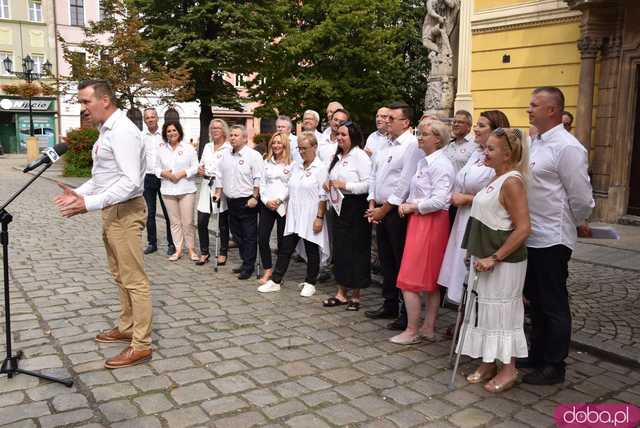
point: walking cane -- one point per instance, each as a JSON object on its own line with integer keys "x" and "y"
{"x": 472, "y": 297}
{"x": 216, "y": 237}
{"x": 456, "y": 327}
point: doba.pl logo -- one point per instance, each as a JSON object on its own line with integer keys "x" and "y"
{"x": 583, "y": 415}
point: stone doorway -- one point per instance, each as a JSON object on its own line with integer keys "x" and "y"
{"x": 634, "y": 176}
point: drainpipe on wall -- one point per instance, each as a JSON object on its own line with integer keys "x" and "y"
{"x": 57, "y": 70}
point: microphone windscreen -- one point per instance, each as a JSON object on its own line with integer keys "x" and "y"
{"x": 60, "y": 148}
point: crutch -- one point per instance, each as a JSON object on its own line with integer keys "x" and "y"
{"x": 258, "y": 259}
{"x": 216, "y": 236}
{"x": 472, "y": 296}
{"x": 456, "y": 327}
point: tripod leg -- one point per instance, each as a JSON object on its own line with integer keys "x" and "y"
{"x": 471, "y": 299}
{"x": 66, "y": 382}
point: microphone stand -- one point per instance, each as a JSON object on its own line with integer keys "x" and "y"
{"x": 10, "y": 363}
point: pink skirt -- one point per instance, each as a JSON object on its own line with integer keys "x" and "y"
{"x": 424, "y": 248}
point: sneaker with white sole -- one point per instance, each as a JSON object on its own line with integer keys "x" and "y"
{"x": 269, "y": 287}
{"x": 308, "y": 290}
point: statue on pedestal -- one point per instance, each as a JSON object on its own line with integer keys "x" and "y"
{"x": 438, "y": 25}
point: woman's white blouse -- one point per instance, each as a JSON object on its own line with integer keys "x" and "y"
{"x": 210, "y": 160}
{"x": 183, "y": 157}
{"x": 274, "y": 184}
{"x": 354, "y": 169}
{"x": 474, "y": 175}
{"x": 432, "y": 185}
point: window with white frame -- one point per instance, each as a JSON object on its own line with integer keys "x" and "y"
{"x": 4, "y": 55}
{"x": 4, "y": 9}
{"x": 38, "y": 60}
{"x": 35, "y": 10}
{"x": 76, "y": 12}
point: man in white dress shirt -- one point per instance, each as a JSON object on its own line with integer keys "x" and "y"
{"x": 310, "y": 122}
{"x": 560, "y": 199}
{"x": 284, "y": 125}
{"x": 328, "y": 147}
{"x": 115, "y": 188}
{"x": 331, "y": 108}
{"x": 238, "y": 177}
{"x": 379, "y": 137}
{"x": 388, "y": 188}
{"x": 152, "y": 138}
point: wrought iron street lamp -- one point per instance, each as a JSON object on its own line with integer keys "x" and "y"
{"x": 30, "y": 76}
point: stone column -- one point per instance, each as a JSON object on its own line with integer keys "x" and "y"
{"x": 464, "y": 100}
{"x": 589, "y": 48}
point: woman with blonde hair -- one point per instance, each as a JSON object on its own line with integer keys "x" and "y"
{"x": 274, "y": 192}
{"x": 495, "y": 241}
{"x": 211, "y": 156}
{"x": 427, "y": 232}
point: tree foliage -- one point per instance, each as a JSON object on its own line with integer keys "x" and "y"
{"x": 116, "y": 50}
{"x": 364, "y": 53}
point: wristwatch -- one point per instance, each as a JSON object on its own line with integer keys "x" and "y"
{"x": 494, "y": 257}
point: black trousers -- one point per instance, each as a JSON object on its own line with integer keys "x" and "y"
{"x": 151, "y": 193}
{"x": 287, "y": 248}
{"x": 243, "y": 222}
{"x": 352, "y": 243}
{"x": 265, "y": 225}
{"x": 391, "y": 233}
{"x": 546, "y": 289}
{"x": 223, "y": 230}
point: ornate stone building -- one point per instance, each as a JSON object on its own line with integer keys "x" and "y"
{"x": 588, "y": 48}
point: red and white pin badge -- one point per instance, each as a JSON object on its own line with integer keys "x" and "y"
{"x": 241, "y": 162}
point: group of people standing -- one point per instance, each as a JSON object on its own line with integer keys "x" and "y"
{"x": 494, "y": 207}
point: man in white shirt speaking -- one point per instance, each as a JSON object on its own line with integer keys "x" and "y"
{"x": 560, "y": 199}
{"x": 152, "y": 138}
{"x": 115, "y": 188}
{"x": 238, "y": 176}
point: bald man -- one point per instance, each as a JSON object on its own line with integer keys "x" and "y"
{"x": 377, "y": 138}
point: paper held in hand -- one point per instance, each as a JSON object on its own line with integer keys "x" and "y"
{"x": 335, "y": 199}
{"x": 603, "y": 232}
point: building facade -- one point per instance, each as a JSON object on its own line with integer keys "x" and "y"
{"x": 26, "y": 29}
{"x": 588, "y": 48}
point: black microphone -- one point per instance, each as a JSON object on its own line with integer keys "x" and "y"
{"x": 49, "y": 155}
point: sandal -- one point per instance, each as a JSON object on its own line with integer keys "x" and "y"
{"x": 353, "y": 305}
{"x": 222, "y": 263}
{"x": 202, "y": 260}
{"x": 333, "y": 301}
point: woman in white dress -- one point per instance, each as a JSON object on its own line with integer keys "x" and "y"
{"x": 274, "y": 192}
{"x": 306, "y": 210}
{"x": 177, "y": 166}
{"x": 469, "y": 180}
{"x": 211, "y": 155}
{"x": 495, "y": 241}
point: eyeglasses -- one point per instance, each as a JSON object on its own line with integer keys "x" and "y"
{"x": 393, "y": 119}
{"x": 421, "y": 134}
{"x": 346, "y": 123}
{"x": 304, "y": 149}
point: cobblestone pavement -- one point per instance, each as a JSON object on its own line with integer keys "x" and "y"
{"x": 227, "y": 356}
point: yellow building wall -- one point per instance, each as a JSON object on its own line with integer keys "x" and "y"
{"x": 540, "y": 56}
{"x": 481, "y": 5}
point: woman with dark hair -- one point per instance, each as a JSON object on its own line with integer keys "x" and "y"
{"x": 349, "y": 174}
{"x": 469, "y": 180}
{"x": 274, "y": 192}
{"x": 177, "y": 166}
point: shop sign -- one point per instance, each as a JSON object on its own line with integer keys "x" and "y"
{"x": 19, "y": 104}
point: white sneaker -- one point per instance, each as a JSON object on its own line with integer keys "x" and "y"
{"x": 308, "y": 290}
{"x": 269, "y": 287}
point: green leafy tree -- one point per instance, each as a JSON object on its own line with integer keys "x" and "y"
{"x": 364, "y": 53}
{"x": 116, "y": 50}
{"x": 211, "y": 38}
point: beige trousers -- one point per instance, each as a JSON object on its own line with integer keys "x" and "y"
{"x": 180, "y": 209}
{"x": 122, "y": 235}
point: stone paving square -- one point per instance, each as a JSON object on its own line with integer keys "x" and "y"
{"x": 227, "y": 356}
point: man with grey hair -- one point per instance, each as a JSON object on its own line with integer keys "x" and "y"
{"x": 462, "y": 145}
{"x": 377, "y": 139}
{"x": 284, "y": 125}
{"x": 310, "y": 122}
{"x": 152, "y": 139}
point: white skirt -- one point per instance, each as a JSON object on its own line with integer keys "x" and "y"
{"x": 499, "y": 333}
{"x": 454, "y": 271}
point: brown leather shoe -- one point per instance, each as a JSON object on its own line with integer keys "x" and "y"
{"x": 127, "y": 358}
{"x": 113, "y": 335}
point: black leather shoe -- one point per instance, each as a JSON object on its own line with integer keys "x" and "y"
{"x": 171, "y": 250}
{"x": 397, "y": 325}
{"x": 150, "y": 249}
{"x": 381, "y": 313}
{"x": 237, "y": 269}
{"x": 245, "y": 275}
{"x": 547, "y": 375}
{"x": 324, "y": 276}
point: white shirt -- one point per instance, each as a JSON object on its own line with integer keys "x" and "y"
{"x": 152, "y": 143}
{"x": 183, "y": 158}
{"x": 560, "y": 194}
{"x": 459, "y": 152}
{"x": 386, "y": 170}
{"x": 210, "y": 160}
{"x": 239, "y": 172}
{"x": 375, "y": 141}
{"x": 293, "y": 147}
{"x": 432, "y": 185}
{"x": 410, "y": 161}
{"x": 274, "y": 184}
{"x": 326, "y": 135}
{"x": 119, "y": 164}
{"x": 354, "y": 169}
{"x": 326, "y": 151}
